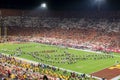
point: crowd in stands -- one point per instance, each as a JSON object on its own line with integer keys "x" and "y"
{"x": 108, "y": 25}
{"x": 14, "y": 69}
{"x": 72, "y": 37}
{"x": 93, "y": 32}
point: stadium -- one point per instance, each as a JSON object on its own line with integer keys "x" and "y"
{"x": 59, "y": 43}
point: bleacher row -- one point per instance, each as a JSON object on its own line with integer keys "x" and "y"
{"x": 105, "y": 24}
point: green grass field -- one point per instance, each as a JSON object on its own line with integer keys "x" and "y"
{"x": 71, "y": 59}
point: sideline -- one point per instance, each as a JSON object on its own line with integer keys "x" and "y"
{"x": 93, "y": 51}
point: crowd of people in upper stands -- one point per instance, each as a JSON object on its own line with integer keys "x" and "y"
{"x": 90, "y": 32}
{"x": 97, "y": 32}
{"x": 108, "y": 25}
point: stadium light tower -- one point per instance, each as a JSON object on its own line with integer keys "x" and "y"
{"x": 43, "y": 5}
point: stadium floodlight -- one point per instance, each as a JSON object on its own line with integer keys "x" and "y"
{"x": 43, "y": 5}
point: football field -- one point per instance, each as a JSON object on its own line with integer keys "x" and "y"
{"x": 62, "y": 57}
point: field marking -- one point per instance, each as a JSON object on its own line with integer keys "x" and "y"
{"x": 93, "y": 51}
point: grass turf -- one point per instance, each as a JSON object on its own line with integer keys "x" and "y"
{"x": 83, "y": 66}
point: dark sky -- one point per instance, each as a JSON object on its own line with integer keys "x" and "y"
{"x": 62, "y": 5}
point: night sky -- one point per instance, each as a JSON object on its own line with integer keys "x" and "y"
{"x": 61, "y": 5}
